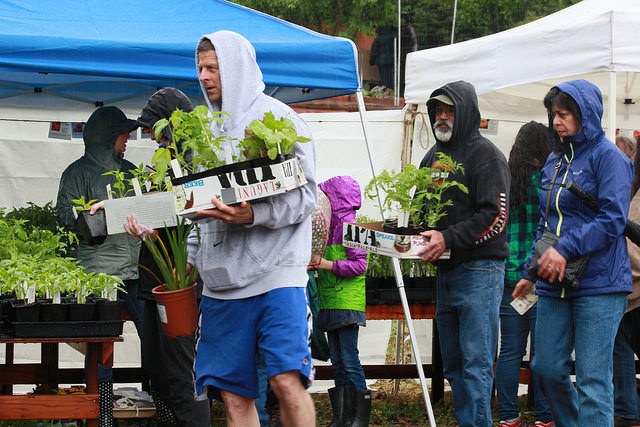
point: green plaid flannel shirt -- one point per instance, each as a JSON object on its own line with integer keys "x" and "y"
{"x": 522, "y": 232}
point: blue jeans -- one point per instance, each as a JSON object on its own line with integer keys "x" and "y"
{"x": 343, "y": 350}
{"x": 514, "y": 331}
{"x": 587, "y": 325}
{"x": 625, "y": 389}
{"x": 468, "y": 302}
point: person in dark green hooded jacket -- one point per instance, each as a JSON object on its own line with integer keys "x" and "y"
{"x": 105, "y": 138}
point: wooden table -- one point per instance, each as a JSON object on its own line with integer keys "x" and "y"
{"x": 52, "y": 406}
{"x": 433, "y": 370}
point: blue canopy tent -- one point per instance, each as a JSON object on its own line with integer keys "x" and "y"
{"x": 102, "y": 52}
{"x": 95, "y": 52}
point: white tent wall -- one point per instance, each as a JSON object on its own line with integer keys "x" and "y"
{"x": 32, "y": 163}
{"x": 512, "y": 70}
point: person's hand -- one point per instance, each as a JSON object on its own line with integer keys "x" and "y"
{"x": 435, "y": 247}
{"x": 552, "y": 266}
{"x": 94, "y": 207}
{"x": 522, "y": 288}
{"x": 323, "y": 265}
{"x": 241, "y": 213}
{"x": 138, "y": 230}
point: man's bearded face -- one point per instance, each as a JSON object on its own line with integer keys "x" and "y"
{"x": 443, "y": 130}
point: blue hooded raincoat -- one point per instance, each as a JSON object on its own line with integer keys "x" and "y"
{"x": 600, "y": 168}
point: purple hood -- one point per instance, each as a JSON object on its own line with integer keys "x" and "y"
{"x": 345, "y": 197}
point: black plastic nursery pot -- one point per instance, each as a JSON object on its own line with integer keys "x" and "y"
{"x": 93, "y": 228}
{"x": 109, "y": 310}
{"x": 50, "y": 312}
{"x": 391, "y": 226}
{"x": 419, "y": 290}
{"x": 81, "y": 312}
{"x": 20, "y": 311}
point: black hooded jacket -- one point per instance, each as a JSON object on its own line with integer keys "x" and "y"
{"x": 475, "y": 225}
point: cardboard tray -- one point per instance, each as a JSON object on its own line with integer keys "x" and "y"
{"x": 107, "y": 328}
{"x": 238, "y": 182}
{"x": 369, "y": 236}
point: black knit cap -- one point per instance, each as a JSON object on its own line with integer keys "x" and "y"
{"x": 161, "y": 104}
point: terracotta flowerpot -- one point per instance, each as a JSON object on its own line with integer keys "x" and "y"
{"x": 177, "y": 310}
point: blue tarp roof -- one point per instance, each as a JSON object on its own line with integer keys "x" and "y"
{"x": 104, "y": 51}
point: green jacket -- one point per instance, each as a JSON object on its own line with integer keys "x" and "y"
{"x": 336, "y": 292}
{"x": 118, "y": 255}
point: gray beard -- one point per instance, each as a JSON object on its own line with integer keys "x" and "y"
{"x": 442, "y": 134}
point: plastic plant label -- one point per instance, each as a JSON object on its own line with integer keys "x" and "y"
{"x": 31, "y": 294}
{"x": 56, "y": 297}
{"x": 162, "y": 313}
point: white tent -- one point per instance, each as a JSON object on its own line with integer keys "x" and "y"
{"x": 512, "y": 70}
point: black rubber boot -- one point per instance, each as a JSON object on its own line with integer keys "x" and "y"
{"x": 105, "y": 402}
{"x": 361, "y": 408}
{"x": 340, "y": 402}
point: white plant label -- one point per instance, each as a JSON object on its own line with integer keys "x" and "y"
{"x": 31, "y": 294}
{"x": 162, "y": 313}
{"x": 56, "y": 297}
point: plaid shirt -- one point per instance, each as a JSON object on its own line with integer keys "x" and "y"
{"x": 521, "y": 232}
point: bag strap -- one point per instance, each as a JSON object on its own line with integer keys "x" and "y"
{"x": 553, "y": 181}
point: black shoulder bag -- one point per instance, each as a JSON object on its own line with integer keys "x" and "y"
{"x": 575, "y": 267}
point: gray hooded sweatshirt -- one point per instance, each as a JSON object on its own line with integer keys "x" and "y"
{"x": 118, "y": 255}
{"x": 240, "y": 261}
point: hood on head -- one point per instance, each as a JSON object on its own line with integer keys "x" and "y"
{"x": 240, "y": 76}
{"x": 467, "y": 113}
{"x": 161, "y": 105}
{"x": 589, "y": 100}
{"x": 104, "y": 126}
{"x": 344, "y": 195}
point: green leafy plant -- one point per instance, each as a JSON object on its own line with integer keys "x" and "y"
{"x": 81, "y": 205}
{"x": 270, "y": 137}
{"x": 424, "y": 206}
{"x": 172, "y": 265}
{"x": 193, "y": 130}
{"x": 120, "y": 187}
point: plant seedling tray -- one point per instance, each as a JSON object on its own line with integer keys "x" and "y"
{"x": 237, "y": 182}
{"x": 370, "y": 237}
{"x": 109, "y": 328}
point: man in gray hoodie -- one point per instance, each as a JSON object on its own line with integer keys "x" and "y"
{"x": 253, "y": 256}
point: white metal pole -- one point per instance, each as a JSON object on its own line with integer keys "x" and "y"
{"x": 611, "y": 133}
{"x": 396, "y": 268}
{"x": 396, "y": 97}
{"x": 453, "y": 25}
{"x": 414, "y": 342}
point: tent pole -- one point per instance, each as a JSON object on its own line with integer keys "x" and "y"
{"x": 396, "y": 270}
{"x": 612, "y": 106}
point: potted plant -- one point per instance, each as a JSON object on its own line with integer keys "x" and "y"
{"x": 409, "y": 191}
{"x": 176, "y": 291}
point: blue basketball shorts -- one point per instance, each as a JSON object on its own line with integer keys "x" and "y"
{"x": 231, "y": 331}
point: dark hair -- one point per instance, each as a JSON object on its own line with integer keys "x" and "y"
{"x": 563, "y": 100}
{"x": 636, "y": 175}
{"x": 528, "y": 153}
{"x": 204, "y": 45}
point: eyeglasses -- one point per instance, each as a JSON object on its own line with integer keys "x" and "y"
{"x": 443, "y": 108}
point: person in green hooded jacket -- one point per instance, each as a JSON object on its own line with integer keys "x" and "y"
{"x": 105, "y": 140}
{"x": 341, "y": 293}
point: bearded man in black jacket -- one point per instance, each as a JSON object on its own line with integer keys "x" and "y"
{"x": 470, "y": 283}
